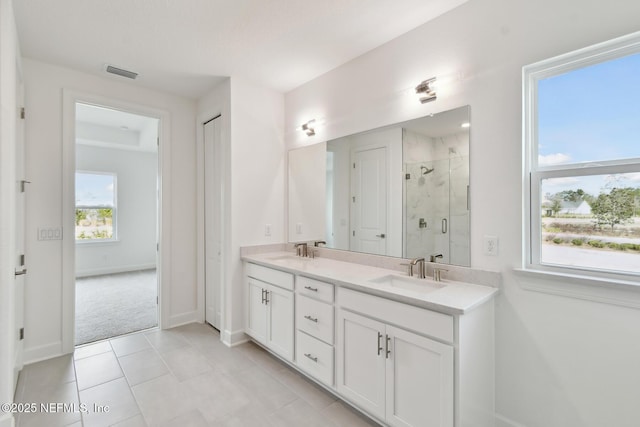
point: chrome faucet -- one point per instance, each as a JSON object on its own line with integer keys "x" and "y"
{"x": 301, "y": 249}
{"x": 434, "y": 257}
{"x": 417, "y": 262}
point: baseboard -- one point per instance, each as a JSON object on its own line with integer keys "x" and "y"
{"x": 42, "y": 352}
{"x": 7, "y": 420}
{"x": 502, "y": 421}
{"x": 114, "y": 270}
{"x": 182, "y": 319}
{"x": 231, "y": 339}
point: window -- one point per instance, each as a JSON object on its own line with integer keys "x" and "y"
{"x": 582, "y": 161}
{"x": 95, "y": 206}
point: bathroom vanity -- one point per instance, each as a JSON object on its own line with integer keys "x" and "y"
{"x": 405, "y": 351}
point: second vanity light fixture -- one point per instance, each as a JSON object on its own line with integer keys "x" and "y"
{"x": 309, "y": 127}
{"x": 426, "y": 91}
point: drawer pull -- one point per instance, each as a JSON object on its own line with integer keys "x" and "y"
{"x": 313, "y": 319}
{"x": 309, "y": 356}
{"x": 311, "y": 289}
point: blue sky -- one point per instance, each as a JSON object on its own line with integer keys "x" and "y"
{"x": 590, "y": 114}
{"x": 94, "y": 189}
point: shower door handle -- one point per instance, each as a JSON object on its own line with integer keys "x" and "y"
{"x": 445, "y": 226}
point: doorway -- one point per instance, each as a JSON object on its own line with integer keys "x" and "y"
{"x": 213, "y": 221}
{"x": 116, "y": 222}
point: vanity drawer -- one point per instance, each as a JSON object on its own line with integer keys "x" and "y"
{"x": 314, "y": 288}
{"x": 420, "y": 320}
{"x": 315, "y": 318}
{"x": 315, "y": 357}
{"x": 269, "y": 275}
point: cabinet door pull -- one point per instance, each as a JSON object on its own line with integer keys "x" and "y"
{"x": 263, "y": 298}
{"x": 388, "y": 346}
{"x": 309, "y": 356}
{"x": 266, "y": 297}
{"x": 313, "y": 319}
{"x": 311, "y": 289}
{"x": 379, "y": 343}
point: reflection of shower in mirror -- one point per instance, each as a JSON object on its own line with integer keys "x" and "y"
{"x": 425, "y": 170}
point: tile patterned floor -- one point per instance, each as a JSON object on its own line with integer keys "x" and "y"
{"x": 180, "y": 377}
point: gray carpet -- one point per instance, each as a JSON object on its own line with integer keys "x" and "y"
{"x": 115, "y": 304}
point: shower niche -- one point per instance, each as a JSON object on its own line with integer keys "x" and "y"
{"x": 435, "y": 194}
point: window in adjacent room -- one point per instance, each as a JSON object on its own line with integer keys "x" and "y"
{"x": 95, "y": 206}
{"x": 582, "y": 161}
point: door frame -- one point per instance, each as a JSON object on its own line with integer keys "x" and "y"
{"x": 163, "y": 268}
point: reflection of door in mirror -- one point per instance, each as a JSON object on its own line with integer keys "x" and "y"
{"x": 364, "y": 201}
{"x": 436, "y": 216}
{"x": 369, "y": 199}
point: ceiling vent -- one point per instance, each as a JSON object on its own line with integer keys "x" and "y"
{"x": 120, "y": 72}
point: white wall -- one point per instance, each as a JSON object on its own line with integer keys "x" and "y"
{"x": 135, "y": 247}
{"x": 9, "y": 60}
{"x": 254, "y": 183}
{"x": 257, "y": 183}
{"x": 561, "y": 361}
{"x": 45, "y": 85}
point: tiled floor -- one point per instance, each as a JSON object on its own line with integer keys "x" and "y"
{"x": 179, "y": 377}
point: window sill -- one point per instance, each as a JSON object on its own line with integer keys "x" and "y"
{"x": 624, "y": 293}
{"x": 94, "y": 242}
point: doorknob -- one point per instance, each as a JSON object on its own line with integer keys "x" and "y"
{"x": 21, "y": 272}
{"x": 382, "y": 236}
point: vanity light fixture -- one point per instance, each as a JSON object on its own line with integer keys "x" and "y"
{"x": 309, "y": 127}
{"x": 426, "y": 91}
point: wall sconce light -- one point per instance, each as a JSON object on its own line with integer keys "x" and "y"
{"x": 426, "y": 91}
{"x": 309, "y": 127}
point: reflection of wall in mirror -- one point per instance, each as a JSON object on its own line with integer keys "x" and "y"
{"x": 307, "y": 172}
{"x": 436, "y": 219}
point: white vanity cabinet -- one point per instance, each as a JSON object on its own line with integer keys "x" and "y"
{"x": 269, "y": 314}
{"x": 315, "y": 329}
{"x": 390, "y": 371}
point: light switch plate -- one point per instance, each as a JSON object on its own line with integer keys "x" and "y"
{"x": 267, "y": 230}
{"x": 49, "y": 233}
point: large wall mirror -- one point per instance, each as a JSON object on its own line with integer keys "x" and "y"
{"x": 401, "y": 190}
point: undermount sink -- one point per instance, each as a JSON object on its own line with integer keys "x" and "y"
{"x": 291, "y": 257}
{"x": 408, "y": 283}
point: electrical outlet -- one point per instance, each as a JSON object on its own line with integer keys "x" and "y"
{"x": 491, "y": 245}
{"x": 299, "y": 228}
{"x": 267, "y": 230}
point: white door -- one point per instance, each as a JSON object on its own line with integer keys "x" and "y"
{"x": 213, "y": 222}
{"x": 20, "y": 267}
{"x": 256, "y": 323}
{"x": 369, "y": 200}
{"x": 419, "y": 381}
{"x": 280, "y": 321}
{"x": 361, "y": 361}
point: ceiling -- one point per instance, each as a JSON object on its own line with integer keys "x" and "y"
{"x": 186, "y": 47}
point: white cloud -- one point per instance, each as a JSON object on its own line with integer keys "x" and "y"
{"x": 553, "y": 159}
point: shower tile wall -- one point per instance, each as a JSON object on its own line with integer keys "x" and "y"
{"x": 437, "y": 195}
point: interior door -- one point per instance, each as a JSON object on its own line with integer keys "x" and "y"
{"x": 369, "y": 200}
{"x": 20, "y": 267}
{"x": 213, "y": 223}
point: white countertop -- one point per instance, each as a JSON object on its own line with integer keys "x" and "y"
{"x": 446, "y": 296}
